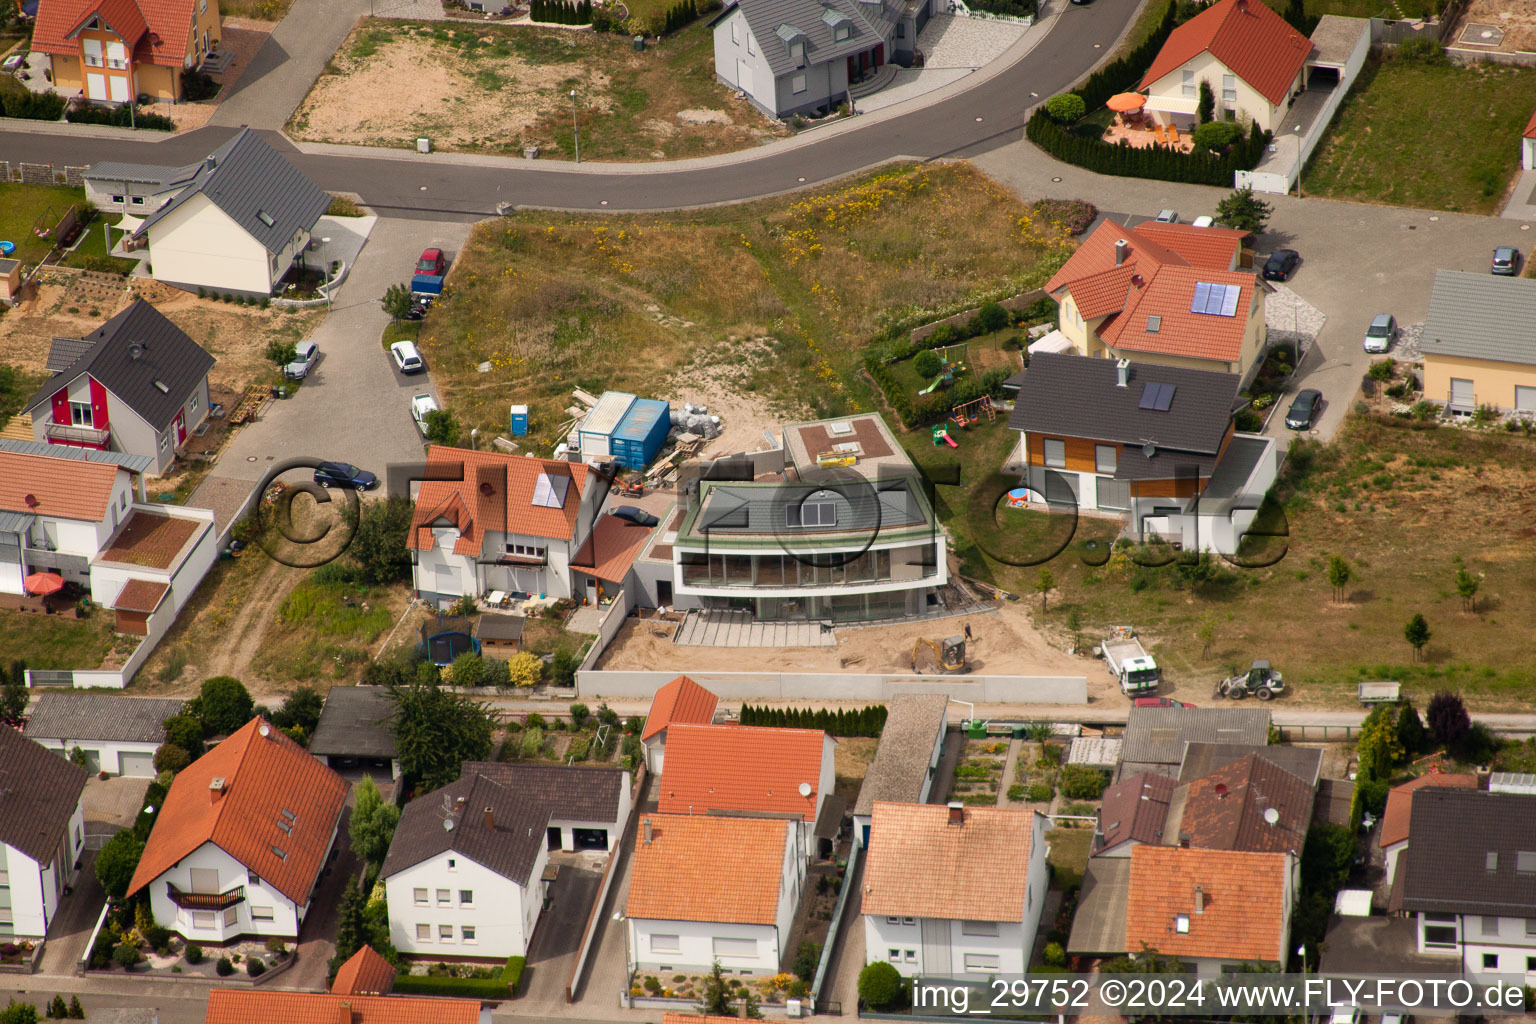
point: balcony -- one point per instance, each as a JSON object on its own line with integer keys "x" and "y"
{"x": 205, "y": 900}
{"x": 64, "y": 433}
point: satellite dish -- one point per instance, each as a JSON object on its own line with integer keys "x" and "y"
{"x": 805, "y": 789}
{"x": 1149, "y": 449}
{"x": 1271, "y": 816}
{"x": 447, "y": 824}
{"x": 265, "y": 729}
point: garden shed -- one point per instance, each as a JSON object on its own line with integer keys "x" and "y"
{"x": 500, "y": 634}
{"x": 639, "y": 437}
{"x": 595, "y": 435}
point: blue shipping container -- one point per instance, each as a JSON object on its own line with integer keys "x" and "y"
{"x": 642, "y": 432}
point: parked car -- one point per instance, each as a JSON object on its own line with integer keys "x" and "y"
{"x": 1161, "y": 702}
{"x": 1280, "y": 264}
{"x": 1203, "y": 222}
{"x": 304, "y": 355}
{"x": 1303, "y": 409}
{"x": 1378, "y": 336}
{"x": 344, "y": 474}
{"x": 1168, "y": 216}
{"x": 420, "y": 406}
{"x": 635, "y": 514}
{"x": 432, "y": 262}
{"x": 407, "y": 358}
{"x": 1506, "y": 260}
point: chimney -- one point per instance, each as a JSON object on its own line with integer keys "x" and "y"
{"x": 648, "y": 831}
{"x": 215, "y": 789}
{"x": 1123, "y": 373}
{"x": 1199, "y": 899}
{"x": 211, "y": 162}
{"x": 956, "y": 813}
{"x": 1122, "y": 247}
{"x": 1184, "y": 839}
{"x": 343, "y": 1013}
{"x": 490, "y": 819}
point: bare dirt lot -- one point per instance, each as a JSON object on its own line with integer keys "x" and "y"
{"x": 1516, "y": 19}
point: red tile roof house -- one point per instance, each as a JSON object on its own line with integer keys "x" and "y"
{"x": 745, "y": 770}
{"x": 114, "y": 50}
{"x": 497, "y": 522}
{"x": 680, "y": 702}
{"x": 71, "y": 512}
{"x": 240, "y": 841}
{"x": 954, "y": 891}
{"x": 1528, "y": 145}
{"x": 137, "y": 384}
{"x": 1253, "y": 60}
{"x": 706, "y": 888}
{"x": 1166, "y": 294}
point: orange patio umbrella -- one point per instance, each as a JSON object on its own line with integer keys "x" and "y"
{"x": 1126, "y": 101}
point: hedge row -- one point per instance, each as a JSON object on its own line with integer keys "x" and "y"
{"x": 1124, "y": 75}
{"x": 124, "y": 115}
{"x": 558, "y": 12}
{"x": 503, "y": 986}
{"x": 679, "y": 16}
{"x": 866, "y": 721}
{"x": 47, "y": 106}
{"x": 1160, "y": 162}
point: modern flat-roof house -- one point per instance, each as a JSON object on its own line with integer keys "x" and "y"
{"x": 750, "y": 770}
{"x": 1170, "y": 294}
{"x": 354, "y": 733}
{"x": 42, "y": 834}
{"x": 116, "y": 50}
{"x": 1252, "y": 59}
{"x": 1393, "y": 839}
{"x": 1156, "y": 738}
{"x": 906, "y": 759}
{"x": 1468, "y": 879}
{"x": 240, "y": 841}
{"x": 954, "y": 891}
{"x": 137, "y": 384}
{"x": 707, "y": 888}
{"x": 486, "y": 521}
{"x": 232, "y": 224}
{"x": 802, "y": 56}
{"x": 846, "y": 534}
{"x": 680, "y": 702}
{"x": 118, "y": 734}
{"x": 1156, "y": 444}
{"x": 474, "y": 887}
{"x": 1479, "y": 343}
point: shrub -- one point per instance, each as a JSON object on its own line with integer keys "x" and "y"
{"x": 1017, "y": 792}
{"x": 579, "y": 715}
{"x": 469, "y": 669}
{"x": 1381, "y": 370}
{"x": 255, "y": 967}
{"x": 1248, "y": 421}
{"x": 77, "y": 1012}
{"x": 524, "y": 668}
{"x": 224, "y": 967}
{"x": 1447, "y": 718}
{"x": 927, "y": 364}
{"x": 1039, "y": 792}
{"x": 1066, "y": 108}
{"x": 562, "y": 669}
{"x": 1080, "y": 782}
{"x": 1054, "y": 954}
{"x": 532, "y": 743}
{"x": 171, "y": 758}
{"x": 277, "y": 947}
{"x": 31, "y": 106}
{"x": 124, "y": 115}
{"x": 880, "y": 985}
{"x": 807, "y": 957}
{"x": 1217, "y": 135}
{"x": 1077, "y": 216}
{"x": 196, "y": 85}
{"x": 193, "y": 953}
{"x": 512, "y": 972}
{"x": 126, "y": 955}
{"x": 1422, "y": 51}
{"x": 157, "y": 936}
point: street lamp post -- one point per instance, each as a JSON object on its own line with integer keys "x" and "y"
{"x": 1298, "y": 162}
{"x": 1301, "y": 951}
{"x": 575, "y": 126}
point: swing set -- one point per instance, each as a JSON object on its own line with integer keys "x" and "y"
{"x": 971, "y": 412}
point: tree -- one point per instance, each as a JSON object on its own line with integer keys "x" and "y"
{"x": 1416, "y": 632}
{"x": 1410, "y": 729}
{"x": 880, "y": 985}
{"x": 1379, "y": 749}
{"x": 301, "y": 707}
{"x": 1196, "y": 569}
{"x": 927, "y": 364}
{"x": 437, "y": 730}
{"x": 1466, "y": 586}
{"x": 524, "y": 668}
{"x": 351, "y": 926}
{"x": 1066, "y": 108}
{"x": 442, "y": 428}
{"x": 397, "y": 301}
{"x": 280, "y": 353}
{"x": 1206, "y": 634}
{"x": 1244, "y": 211}
{"x": 1338, "y": 575}
{"x": 717, "y": 994}
{"x": 993, "y": 316}
{"x": 117, "y": 861}
{"x": 185, "y": 731}
{"x": 18, "y": 1013}
{"x": 1216, "y": 136}
{"x": 171, "y": 758}
{"x": 13, "y": 703}
{"x": 1044, "y": 584}
{"x": 373, "y": 822}
{"x": 380, "y": 544}
{"x": 1448, "y": 720}
{"x": 1206, "y": 111}
{"x": 76, "y": 1011}
{"x": 224, "y": 704}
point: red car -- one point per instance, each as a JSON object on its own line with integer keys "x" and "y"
{"x": 1161, "y": 702}
{"x": 431, "y": 262}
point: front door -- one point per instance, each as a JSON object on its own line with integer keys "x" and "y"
{"x": 743, "y": 75}
{"x": 181, "y": 427}
{"x": 879, "y": 54}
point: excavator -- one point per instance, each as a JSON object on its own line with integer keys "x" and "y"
{"x": 948, "y": 656}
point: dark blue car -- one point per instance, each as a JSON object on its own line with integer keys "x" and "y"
{"x": 344, "y": 474}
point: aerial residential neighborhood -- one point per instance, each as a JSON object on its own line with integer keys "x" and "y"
{"x": 669, "y": 511}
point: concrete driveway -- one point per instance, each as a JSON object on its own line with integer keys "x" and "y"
{"x": 353, "y": 407}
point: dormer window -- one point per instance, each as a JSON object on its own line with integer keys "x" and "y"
{"x": 797, "y": 54}
{"x": 842, "y": 32}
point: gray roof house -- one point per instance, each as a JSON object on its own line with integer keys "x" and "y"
{"x": 911, "y": 745}
{"x": 794, "y": 57}
{"x": 1155, "y": 738}
{"x": 42, "y": 832}
{"x": 1479, "y": 342}
{"x": 354, "y": 731}
{"x": 137, "y": 384}
{"x": 1156, "y": 443}
{"x": 118, "y": 734}
{"x": 233, "y": 223}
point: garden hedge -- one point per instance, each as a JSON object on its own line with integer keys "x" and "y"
{"x": 1160, "y": 162}
{"x": 866, "y": 721}
{"x": 124, "y": 115}
{"x": 48, "y": 106}
{"x": 442, "y": 985}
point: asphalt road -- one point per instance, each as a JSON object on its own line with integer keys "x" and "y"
{"x": 990, "y": 114}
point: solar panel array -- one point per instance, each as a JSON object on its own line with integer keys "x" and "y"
{"x": 1215, "y": 299}
{"x": 1156, "y": 397}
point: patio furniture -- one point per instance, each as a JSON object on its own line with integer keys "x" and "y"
{"x": 1173, "y": 134}
{"x": 496, "y": 598}
{"x": 1162, "y": 136}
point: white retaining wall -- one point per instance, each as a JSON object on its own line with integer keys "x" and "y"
{"x": 591, "y": 683}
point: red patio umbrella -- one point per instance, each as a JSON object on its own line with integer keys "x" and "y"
{"x": 1126, "y": 101}
{"x": 41, "y": 584}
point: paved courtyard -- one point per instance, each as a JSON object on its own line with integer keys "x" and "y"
{"x": 948, "y": 41}
{"x": 740, "y": 629}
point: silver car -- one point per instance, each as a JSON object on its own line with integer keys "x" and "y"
{"x": 1378, "y": 336}
{"x": 304, "y": 355}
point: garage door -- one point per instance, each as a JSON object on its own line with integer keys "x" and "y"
{"x": 590, "y": 838}
{"x": 139, "y": 765}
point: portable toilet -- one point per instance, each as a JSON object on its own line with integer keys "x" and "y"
{"x": 519, "y": 420}
{"x": 596, "y": 431}
{"x": 642, "y": 433}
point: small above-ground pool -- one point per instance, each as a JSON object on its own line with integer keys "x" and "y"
{"x": 1019, "y": 497}
{"x": 6, "y": 248}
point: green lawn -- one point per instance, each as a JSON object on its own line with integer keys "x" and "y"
{"x": 1367, "y": 8}
{"x": 93, "y": 253}
{"x": 55, "y": 641}
{"x": 1427, "y": 135}
{"x": 324, "y": 629}
{"x": 20, "y": 208}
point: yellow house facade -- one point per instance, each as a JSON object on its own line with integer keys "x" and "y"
{"x": 1175, "y": 97}
{"x": 1479, "y": 343}
{"x": 114, "y": 52}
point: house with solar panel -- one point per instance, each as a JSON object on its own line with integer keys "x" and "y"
{"x": 1156, "y": 444}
